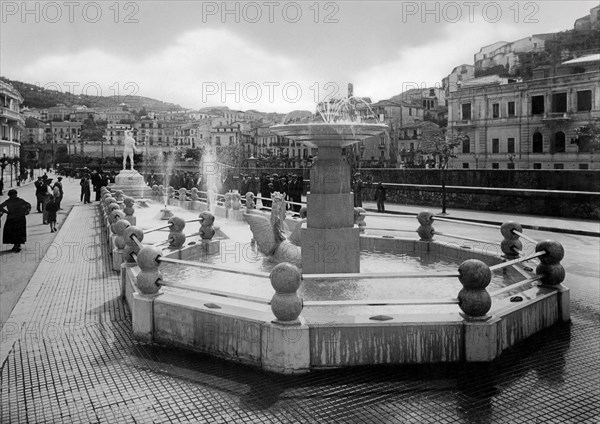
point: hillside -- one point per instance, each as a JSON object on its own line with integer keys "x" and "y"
{"x": 37, "y": 97}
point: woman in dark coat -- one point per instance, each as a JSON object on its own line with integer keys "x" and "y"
{"x": 15, "y": 227}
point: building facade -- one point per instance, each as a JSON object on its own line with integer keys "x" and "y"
{"x": 12, "y": 122}
{"x": 525, "y": 125}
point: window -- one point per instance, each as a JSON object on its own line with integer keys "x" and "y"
{"x": 466, "y": 145}
{"x": 510, "y": 145}
{"x": 559, "y": 142}
{"x": 510, "y": 166}
{"x": 465, "y": 165}
{"x": 495, "y": 165}
{"x": 496, "y": 110}
{"x": 537, "y": 166}
{"x": 583, "y": 166}
{"x": 495, "y": 145}
{"x": 511, "y": 109}
{"x": 466, "y": 110}
{"x": 559, "y": 102}
{"x": 537, "y": 105}
{"x": 584, "y": 101}
{"x": 538, "y": 143}
{"x": 410, "y": 111}
{"x": 559, "y": 166}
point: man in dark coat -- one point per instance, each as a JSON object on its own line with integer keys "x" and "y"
{"x": 15, "y": 227}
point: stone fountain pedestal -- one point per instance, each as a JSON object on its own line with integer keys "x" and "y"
{"x": 131, "y": 183}
{"x": 330, "y": 240}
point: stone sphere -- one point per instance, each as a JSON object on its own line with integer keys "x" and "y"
{"x": 119, "y": 242}
{"x": 285, "y": 278}
{"x": 127, "y": 253}
{"x": 506, "y": 229}
{"x": 176, "y": 239}
{"x": 286, "y": 307}
{"x": 552, "y": 274}
{"x": 113, "y": 207}
{"x": 425, "y": 232}
{"x": 116, "y": 215}
{"x": 108, "y": 200}
{"x": 425, "y": 218}
{"x": 154, "y": 190}
{"x": 147, "y": 258}
{"x": 129, "y": 201}
{"x": 511, "y": 247}
{"x": 176, "y": 223}
{"x": 303, "y": 212}
{"x": 129, "y": 232}
{"x": 120, "y": 226}
{"x": 554, "y": 251}
{"x": 146, "y": 282}
{"x": 474, "y": 274}
{"x": 182, "y": 193}
{"x": 475, "y": 303}
{"x": 207, "y": 218}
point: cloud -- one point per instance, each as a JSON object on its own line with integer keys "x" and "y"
{"x": 202, "y": 67}
{"x": 426, "y": 65}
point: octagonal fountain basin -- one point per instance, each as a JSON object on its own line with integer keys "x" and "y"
{"x": 326, "y": 134}
{"x": 346, "y": 321}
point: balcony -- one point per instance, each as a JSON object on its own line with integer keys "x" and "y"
{"x": 463, "y": 123}
{"x": 557, "y": 116}
{"x": 11, "y": 115}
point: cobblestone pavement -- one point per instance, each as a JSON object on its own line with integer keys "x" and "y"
{"x": 67, "y": 356}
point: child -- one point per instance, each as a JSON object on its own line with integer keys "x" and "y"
{"x": 52, "y": 208}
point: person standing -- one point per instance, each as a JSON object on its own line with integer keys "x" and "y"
{"x": 85, "y": 189}
{"x": 57, "y": 191}
{"x": 357, "y": 186}
{"x": 40, "y": 193}
{"x": 1, "y": 185}
{"x": 380, "y": 197}
{"x": 15, "y": 227}
{"x": 51, "y": 209}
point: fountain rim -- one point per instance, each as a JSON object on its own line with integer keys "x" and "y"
{"x": 329, "y": 134}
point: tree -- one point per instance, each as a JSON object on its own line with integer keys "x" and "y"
{"x": 588, "y": 136}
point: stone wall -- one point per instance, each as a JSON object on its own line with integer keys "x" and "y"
{"x": 569, "y": 204}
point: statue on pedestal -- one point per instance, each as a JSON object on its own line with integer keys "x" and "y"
{"x": 129, "y": 149}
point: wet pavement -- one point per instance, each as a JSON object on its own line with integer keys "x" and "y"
{"x": 67, "y": 355}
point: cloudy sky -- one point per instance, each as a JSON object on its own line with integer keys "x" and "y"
{"x": 265, "y": 55}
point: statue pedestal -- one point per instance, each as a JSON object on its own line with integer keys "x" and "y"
{"x": 131, "y": 183}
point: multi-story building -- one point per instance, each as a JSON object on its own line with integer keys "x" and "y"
{"x": 507, "y": 54}
{"x": 11, "y": 120}
{"x": 403, "y": 119}
{"x": 527, "y": 125}
{"x": 456, "y": 78}
{"x": 60, "y": 112}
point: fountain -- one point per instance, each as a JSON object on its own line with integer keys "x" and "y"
{"x": 328, "y": 314}
{"x": 329, "y": 232}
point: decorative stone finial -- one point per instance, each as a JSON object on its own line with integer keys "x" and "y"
{"x": 207, "y": 231}
{"x": 552, "y": 272}
{"x": 130, "y": 245}
{"x": 425, "y": 230}
{"x": 359, "y": 219}
{"x": 147, "y": 260}
{"x": 236, "y": 201}
{"x": 194, "y": 193}
{"x": 249, "y": 201}
{"x": 511, "y": 246}
{"x": 182, "y": 194}
{"x": 176, "y": 237}
{"x": 286, "y": 304}
{"x": 474, "y": 300}
{"x": 228, "y": 197}
{"x": 118, "y": 229}
{"x": 129, "y": 202}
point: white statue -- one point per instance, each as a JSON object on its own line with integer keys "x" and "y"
{"x": 129, "y": 148}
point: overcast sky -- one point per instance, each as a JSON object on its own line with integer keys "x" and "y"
{"x": 265, "y": 55}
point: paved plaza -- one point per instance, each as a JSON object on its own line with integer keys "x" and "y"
{"x": 67, "y": 353}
